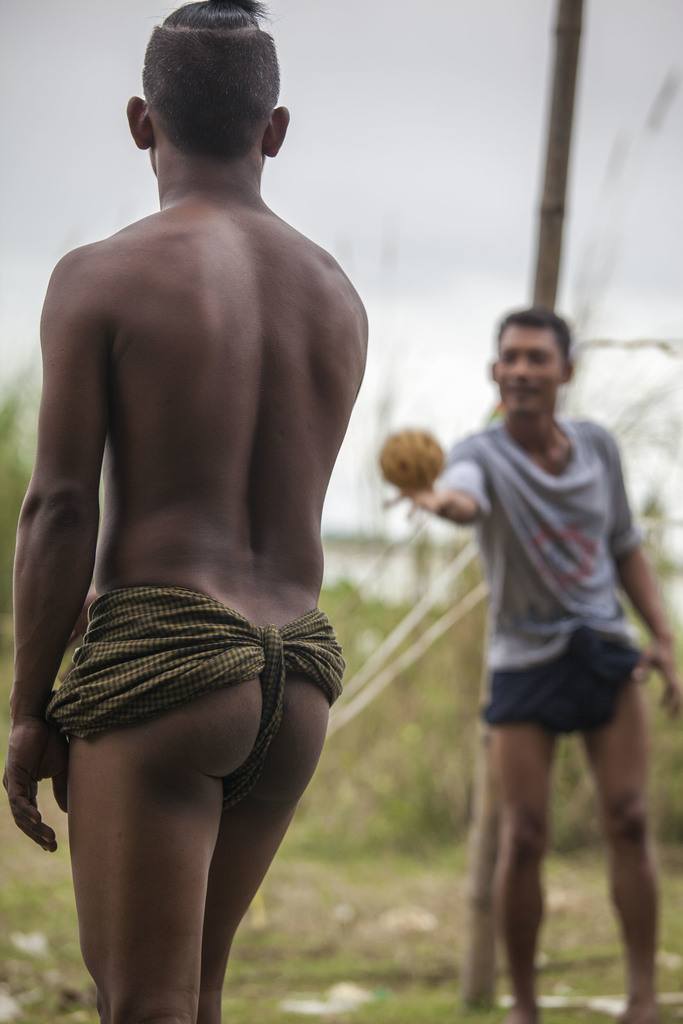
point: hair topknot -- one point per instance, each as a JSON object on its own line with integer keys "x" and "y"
{"x": 255, "y": 7}
{"x": 218, "y": 14}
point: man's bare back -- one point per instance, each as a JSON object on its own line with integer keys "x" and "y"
{"x": 237, "y": 351}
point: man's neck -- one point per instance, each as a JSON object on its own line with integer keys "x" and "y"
{"x": 536, "y": 433}
{"x": 183, "y": 179}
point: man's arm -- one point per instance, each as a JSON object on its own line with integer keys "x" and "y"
{"x": 461, "y": 494}
{"x": 640, "y": 586}
{"x": 636, "y": 575}
{"x": 454, "y": 505}
{"x": 58, "y": 527}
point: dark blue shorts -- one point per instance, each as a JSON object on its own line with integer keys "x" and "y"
{"x": 576, "y": 692}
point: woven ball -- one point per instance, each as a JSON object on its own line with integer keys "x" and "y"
{"x": 411, "y": 460}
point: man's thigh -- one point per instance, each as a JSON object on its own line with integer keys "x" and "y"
{"x": 141, "y": 848}
{"x": 618, "y": 753}
{"x": 251, "y": 832}
{"x": 522, "y": 756}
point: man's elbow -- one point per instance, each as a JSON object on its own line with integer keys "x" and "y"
{"x": 63, "y": 506}
{"x": 632, "y": 555}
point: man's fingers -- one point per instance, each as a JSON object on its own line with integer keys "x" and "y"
{"x": 22, "y": 791}
{"x": 675, "y": 701}
{"x": 27, "y": 818}
{"x": 38, "y": 831}
{"x": 670, "y": 704}
{"x": 672, "y": 699}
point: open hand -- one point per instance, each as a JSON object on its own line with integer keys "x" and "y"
{"x": 36, "y": 751}
{"x": 429, "y": 500}
{"x": 661, "y": 656}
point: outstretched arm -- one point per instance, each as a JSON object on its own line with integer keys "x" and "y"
{"x": 57, "y": 531}
{"x": 640, "y": 586}
{"x": 454, "y": 505}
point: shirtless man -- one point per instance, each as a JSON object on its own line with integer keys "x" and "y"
{"x": 547, "y": 498}
{"x": 213, "y": 356}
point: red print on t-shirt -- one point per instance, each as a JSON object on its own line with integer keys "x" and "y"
{"x": 566, "y": 554}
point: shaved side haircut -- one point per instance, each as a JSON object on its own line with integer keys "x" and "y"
{"x": 211, "y": 74}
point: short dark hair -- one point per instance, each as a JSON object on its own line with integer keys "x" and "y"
{"x": 212, "y": 76}
{"x": 542, "y": 319}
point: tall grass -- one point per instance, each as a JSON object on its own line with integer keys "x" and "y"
{"x": 17, "y": 406}
{"x": 401, "y": 774}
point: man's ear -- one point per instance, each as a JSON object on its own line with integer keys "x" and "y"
{"x": 568, "y": 371}
{"x": 493, "y": 371}
{"x": 275, "y": 133}
{"x": 140, "y": 123}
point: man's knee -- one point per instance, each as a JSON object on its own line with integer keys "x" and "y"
{"x": 174, "y": 1008}
{"x": 626, "y": 820}
{"x": 525, "y": 837}
{"x": 163, "y": 1019}
{"x": 134, "y": 1016}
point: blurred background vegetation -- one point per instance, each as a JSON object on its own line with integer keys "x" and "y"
{"x": 368, "y": 894}
{"x": 401, "y": 774}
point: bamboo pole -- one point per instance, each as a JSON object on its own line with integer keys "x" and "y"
{"x": 549, "y": 251}
{"x": 478, "y": 971}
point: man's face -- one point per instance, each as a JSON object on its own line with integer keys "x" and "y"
{"x": 530, "y": 370}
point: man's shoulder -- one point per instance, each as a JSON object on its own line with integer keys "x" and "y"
{"x": 75, "y": 287}
{"x": 326, "y": 272}
{"x": 477, "y": 445}
{"x": 594, "y": 434}
{"x": 332, "y": 297}
{"x": 107, "y": 255}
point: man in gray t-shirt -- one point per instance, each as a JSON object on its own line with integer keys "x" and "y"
{"x": 547, "y": 498}
{"x": 550, "y": 541}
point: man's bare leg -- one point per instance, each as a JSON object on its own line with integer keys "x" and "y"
{"x": 618, "y": 756}
{"x": 523, "y": 756}
{"x": 145, "y": 809}
{"x": 251, "y": 832}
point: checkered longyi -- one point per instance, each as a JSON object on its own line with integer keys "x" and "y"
{"x": 148, "y": 649}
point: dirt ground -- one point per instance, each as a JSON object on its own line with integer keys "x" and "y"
{"x": 364, "y": 940}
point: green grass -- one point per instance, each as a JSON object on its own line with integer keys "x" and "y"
{"x": 294, "y": 943}
{"x": 382, "y": 826}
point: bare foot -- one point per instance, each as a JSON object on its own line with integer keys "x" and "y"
{"x": 640, "y": 1011}
{"x": 527, "y": 1015}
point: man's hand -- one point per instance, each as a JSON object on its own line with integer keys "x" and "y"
{"x": 457, "y": 506}
{"x": 661, "y": 656}
{"x": 36, "y": 751}
{"x": 431, "y": 500}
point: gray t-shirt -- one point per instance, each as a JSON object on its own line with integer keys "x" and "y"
{"x": 549, "y": 543}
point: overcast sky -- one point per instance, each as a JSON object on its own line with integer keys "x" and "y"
{"x": 415, "y": 156}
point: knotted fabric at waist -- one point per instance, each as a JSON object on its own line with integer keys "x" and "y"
{"x": 150, "y": 649}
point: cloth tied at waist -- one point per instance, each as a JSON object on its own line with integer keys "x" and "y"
{"x": 150, "y": 649}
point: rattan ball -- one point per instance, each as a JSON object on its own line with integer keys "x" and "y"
{"x": 411, "y": 460}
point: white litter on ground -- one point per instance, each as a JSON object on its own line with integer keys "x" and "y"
{"x": 344, "y": 913}
{"x": 612, "y": 1006}
{"x": 669, "y": 961}
{"x": 33, "y": 943}
{"x": 344, "y": 997}
{"x": 403, "y": 920}
{"x": 9, "y": 1007}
